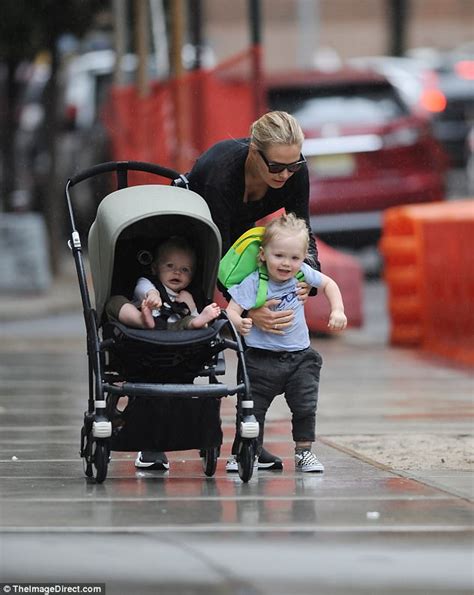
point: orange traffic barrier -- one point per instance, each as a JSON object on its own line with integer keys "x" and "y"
{"x": 181, "y": 117}
{"x": 429, "y": 270}
{"x": 347, "y": 272}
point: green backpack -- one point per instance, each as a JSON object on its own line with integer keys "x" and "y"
{"x": 242, "y": 259}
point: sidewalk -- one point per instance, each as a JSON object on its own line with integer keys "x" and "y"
{"x": 391, "y": 513}
{"x": 418, "y": 418}
{"x": 62, "y": 296}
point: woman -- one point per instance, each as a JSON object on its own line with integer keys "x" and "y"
{"x": 243, "y": 180}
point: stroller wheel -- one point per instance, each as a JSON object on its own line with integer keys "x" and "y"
{"x": 85, "y": 453}
{"x": 87, "y": 465}
{"x": 245, "y": 459}
{"x": 101, "y": 460}
{"x": 209, "y": 460}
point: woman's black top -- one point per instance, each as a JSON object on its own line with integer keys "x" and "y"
{"x": 219, "y": 177}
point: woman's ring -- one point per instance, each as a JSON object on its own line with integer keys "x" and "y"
{"x": 275, "y": 326}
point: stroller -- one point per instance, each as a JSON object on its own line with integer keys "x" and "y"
{"x": 156, "y": 369}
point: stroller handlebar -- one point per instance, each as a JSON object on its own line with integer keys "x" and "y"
{"x": 122, "y": 167}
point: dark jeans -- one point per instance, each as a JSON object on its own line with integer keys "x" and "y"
{"x": 294, "y": 373}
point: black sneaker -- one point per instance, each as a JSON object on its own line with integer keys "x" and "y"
{"x": 152, "y": 460}
{"x": 269, "y": 462}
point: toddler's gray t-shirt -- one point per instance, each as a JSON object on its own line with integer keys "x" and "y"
{"x": 296, "y": 336}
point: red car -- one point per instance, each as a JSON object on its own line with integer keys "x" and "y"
{"x": 365, "y": 150}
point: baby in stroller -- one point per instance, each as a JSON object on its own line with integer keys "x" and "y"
{"x": 161, "y": 300}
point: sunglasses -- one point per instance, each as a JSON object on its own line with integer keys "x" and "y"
{"x": 276, "y": 168}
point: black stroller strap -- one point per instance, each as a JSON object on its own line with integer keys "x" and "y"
{"x": 168, "y": 307}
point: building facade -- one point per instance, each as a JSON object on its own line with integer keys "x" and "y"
{"x": 298, "y": 33}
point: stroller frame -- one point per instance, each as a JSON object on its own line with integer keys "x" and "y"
{"x": 96, "y": 431}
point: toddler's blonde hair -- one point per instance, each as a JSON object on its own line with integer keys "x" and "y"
{"x": 286, "y": 225}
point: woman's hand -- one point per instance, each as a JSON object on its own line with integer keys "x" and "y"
{"x": 271, "y": 321}
{"x": 302, "y": 290}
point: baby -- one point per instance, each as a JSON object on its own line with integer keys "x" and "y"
{"x": 173, "y": 265}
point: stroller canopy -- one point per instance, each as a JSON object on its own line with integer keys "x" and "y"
{"x": 134, "y": 219}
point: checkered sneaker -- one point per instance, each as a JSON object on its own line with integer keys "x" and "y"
{"x": 307, "y": 462}
{"x": 232, "y": 466}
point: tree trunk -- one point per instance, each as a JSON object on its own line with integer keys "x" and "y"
{"x": 398, "y": 18}
{"x": 8, "y": 128}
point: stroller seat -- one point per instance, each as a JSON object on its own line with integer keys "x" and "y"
{"x": 164, "y": 337}
{"x": 162, "y": 355}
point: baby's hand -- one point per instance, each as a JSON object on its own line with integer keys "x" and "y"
{"x": 337, "y": 320}
{"x": 245, "y": 326}
{"x": 153, "y": 299}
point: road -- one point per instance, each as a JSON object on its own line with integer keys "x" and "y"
{"x": 391, "y": 514}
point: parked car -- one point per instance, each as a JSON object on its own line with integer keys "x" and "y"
{"x": 366, "y": 151}
{"x": 470, "y": 160}
{"x": 455, "y": 75}
{"x": 438, "y": 86}
{"x": 30, "y": 142}
{"x": 88, "y": 80}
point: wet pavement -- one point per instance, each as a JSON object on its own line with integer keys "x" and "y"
{"x": 362, "y": 527}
